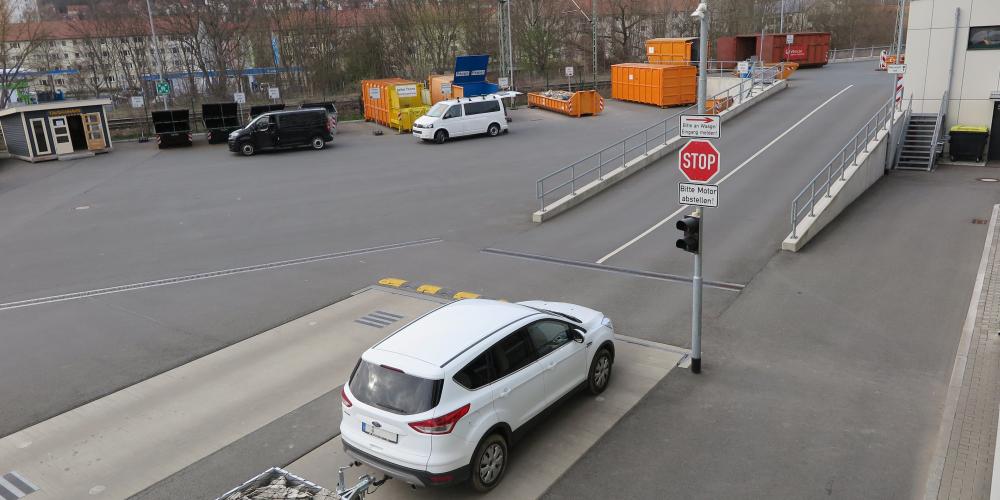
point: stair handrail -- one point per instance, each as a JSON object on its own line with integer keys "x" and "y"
{"x": 937, "y": 131}
{"x": 898, "y": 148}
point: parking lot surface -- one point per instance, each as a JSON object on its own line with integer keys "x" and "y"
{"x": 170, "y": 255}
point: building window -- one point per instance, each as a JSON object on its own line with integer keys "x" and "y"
{"x": 984, "y": 38}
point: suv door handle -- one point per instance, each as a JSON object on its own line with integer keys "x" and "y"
{"x": 505, "y": 392}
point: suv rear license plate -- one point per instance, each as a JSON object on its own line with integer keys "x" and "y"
{"x": 380, "y": 433}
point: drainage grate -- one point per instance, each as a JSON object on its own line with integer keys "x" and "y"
{"x": 980, "y": 221}
{"x": 14, "y": 486}
{"x": 378, "y": 319}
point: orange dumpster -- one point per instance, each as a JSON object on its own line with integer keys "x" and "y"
{"x": 658, "y": 84}
{"x": 583, "y": 102}
{"x": 671, "y": 50}
{"x": 440, "y": 87}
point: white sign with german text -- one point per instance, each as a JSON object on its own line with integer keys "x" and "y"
{"x": 896, "y": 69}
{"x": 240, "y": 97}
{"x": 699, "y": 195}
{"x": 137, "y": 101}
{"x": 273, "y": 93}
{"x": 701, "y": 126}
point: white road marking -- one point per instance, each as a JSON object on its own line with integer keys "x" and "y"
{"x": 212, "y": 274}
{"x": 730, "y": 174}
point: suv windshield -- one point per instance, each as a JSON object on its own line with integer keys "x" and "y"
{"x": 394, "y": 391}
{"x": 437, "y": 110}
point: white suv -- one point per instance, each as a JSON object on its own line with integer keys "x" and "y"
{"x": 443, "y": 399}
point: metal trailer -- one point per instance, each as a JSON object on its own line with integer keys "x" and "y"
{"x": 172, "y": 127}
{"x": 279, "y": 483}
{"x": 260, "y": 109}
{"x": 220, "y": 120}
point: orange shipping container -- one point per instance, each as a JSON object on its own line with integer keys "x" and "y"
{"x": 584, "y": 102}
{"x": 671, "y": 50}
{"x": 657, "y": 84}
{"x": 440, "y": 87}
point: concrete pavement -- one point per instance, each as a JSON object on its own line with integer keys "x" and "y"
{"x": 774, "y": 396}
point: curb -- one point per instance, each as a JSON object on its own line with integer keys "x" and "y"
{"x": 429, "y": 289}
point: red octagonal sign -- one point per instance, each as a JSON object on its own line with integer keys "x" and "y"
{"x": 699, "y": 160}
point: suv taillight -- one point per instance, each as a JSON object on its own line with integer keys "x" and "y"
{"x": 343, "y": 397}
{"x": 441, "y": 425}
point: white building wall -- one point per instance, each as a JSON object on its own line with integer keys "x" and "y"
{"x": 930, "y": 42}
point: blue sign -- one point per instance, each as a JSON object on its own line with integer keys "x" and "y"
{"x": 471, "y": 69}
{"x": 274, "y": 48}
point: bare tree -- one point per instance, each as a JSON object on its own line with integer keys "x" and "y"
{"x": 422, "y": 37}
{"x": 541, "y": 30}
{"x": 21, "y": 42}
{"x": 629, "y": 26}
{"x": 215, "y": 35}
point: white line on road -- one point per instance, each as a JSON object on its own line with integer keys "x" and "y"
{"x": 730, "y": 174}
{"x": 213, "y": 274}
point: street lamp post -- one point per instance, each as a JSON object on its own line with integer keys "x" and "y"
{"x": 701, "y": 13}
{"x": 156, "y": 52}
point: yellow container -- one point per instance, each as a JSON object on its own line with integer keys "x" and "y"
{"x": 584, "y": 102}
{"x": 404, "y": 118}
{"x": 658, "y": 84}
{"x": 669, "y": 50}
{"x": 386, "y": 99}
{"x": 440, "y": 87}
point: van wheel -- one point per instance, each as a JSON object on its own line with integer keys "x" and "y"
{"x": 600, "y": 372}
{"x": 247, "y": 149}
{"x": 493, "y": 130}
{"x": 441, "y": 136}
{"x": 317, "y": 143}
{"x": 489, "y": 463}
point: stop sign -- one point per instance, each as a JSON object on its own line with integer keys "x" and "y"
{"x": 699, "y": 160}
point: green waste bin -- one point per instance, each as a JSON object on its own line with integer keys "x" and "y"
{"x": 967, "y": 142}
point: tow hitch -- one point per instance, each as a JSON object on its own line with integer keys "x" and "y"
{"x": 359, "y": 490}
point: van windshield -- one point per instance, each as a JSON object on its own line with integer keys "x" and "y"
{"x": 437, "y": 110}
{"x": 394, "y": 391}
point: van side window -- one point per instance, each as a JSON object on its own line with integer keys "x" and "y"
{"x": 512, "y": 353}
{"x": 454, "y": 112}
{"x": 476, "y": 374}
{"x": 478, "y": 108}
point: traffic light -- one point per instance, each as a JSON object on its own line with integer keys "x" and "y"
{"x": 692, "y": 233}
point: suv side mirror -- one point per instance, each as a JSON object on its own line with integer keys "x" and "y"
{"x": 262, "y": 125}
{"x": 576, "y": 335}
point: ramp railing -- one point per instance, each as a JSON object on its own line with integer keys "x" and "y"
{"x": 595, "y": 166}
{"x": 856, "y": 53}
{"x": 821, "y": 184}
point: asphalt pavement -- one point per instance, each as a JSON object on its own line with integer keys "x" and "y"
{"x": 139, "y": 215}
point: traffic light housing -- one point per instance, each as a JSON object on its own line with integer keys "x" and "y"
{"x": 691, "y": 225}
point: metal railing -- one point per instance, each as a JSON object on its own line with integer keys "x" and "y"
{"x": 821, "y": 184}
{"x": 932, "y": 154}
{"x": 856, "y": 53}
{"x": 618, "y": 155}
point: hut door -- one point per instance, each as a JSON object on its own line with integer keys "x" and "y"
{"x": 95, "y": 132}
{"x": 60, "y": 132}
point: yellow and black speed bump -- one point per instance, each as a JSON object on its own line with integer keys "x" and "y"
{"x": 429, "y": 289}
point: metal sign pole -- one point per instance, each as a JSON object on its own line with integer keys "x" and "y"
{"x": 696, "y": 279}
{"x": 696, "y": 297}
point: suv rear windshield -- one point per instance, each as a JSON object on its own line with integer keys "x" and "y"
{"x": 393, "y": 390}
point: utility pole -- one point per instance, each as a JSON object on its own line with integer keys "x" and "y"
{"x": 781, "y": 25}
{"x": 156, "y": 52}
{"x": 593, "y": 27}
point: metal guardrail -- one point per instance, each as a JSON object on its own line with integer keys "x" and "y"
{"x": 822, "y": 182}
{"x": 619, "y": 154}
{"x": 855, "y": 53}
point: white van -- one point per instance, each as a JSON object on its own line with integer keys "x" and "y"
{"x": 463, "y": 116}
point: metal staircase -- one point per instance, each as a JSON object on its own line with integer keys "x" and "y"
{"x": 918, "y": 144}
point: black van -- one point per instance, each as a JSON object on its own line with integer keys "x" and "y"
{"x": 284, "y": 129}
